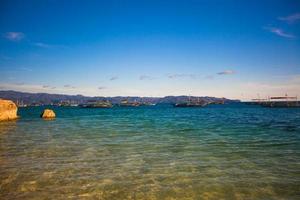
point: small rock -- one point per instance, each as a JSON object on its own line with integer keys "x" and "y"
{"x": 28, "y": 186}
{"x": 8, "y": 110}
{"x": 48, "y": 114}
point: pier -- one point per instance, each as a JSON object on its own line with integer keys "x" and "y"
{"x": 277, "y": 102}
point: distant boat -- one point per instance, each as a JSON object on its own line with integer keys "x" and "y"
{"x": 67, "y": 104}
{"x": 147, "y": 104}
{"x": 189, "y": 103}
{"x": 97, "y": 104}
{"x": 126, "y": 103}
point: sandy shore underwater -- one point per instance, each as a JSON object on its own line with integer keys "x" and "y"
{"x": 229, "y": 152}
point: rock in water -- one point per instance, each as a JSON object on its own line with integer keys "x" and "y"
{"x": 48, "y": 114}
{"x": 8, "y": 110}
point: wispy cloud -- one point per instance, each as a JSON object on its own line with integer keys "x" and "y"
{"x": 48, "y": 87}
{"x": 101, "y": 88}
{"x": 89, "y": 90}
{"x": 113, "y": 78}
{"x": 226, "y": 72}
{"x": 42, "y": 45}
{"x": 280, "y": 32}
{"x": 69, "y": 86}
{"x": 146, "y": 77}
{"x": 47, "y": 46}
{"x": 14, "y": 36}
{"x": 291, "y": 18}
{"x": 175, "y": 76}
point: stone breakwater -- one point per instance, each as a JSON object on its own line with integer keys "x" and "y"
{"x": 8, "y": 110}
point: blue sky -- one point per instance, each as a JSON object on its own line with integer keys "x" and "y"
{"x": 234, "y": 49}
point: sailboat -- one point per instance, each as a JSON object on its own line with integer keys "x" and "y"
{"x": 190, "y": 103}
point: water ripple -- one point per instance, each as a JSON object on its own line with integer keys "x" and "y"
{"x": 152, "y": 153}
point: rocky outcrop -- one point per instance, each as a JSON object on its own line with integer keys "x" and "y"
{"x": 48, "y": 114}
{"x": 8, "y": 110}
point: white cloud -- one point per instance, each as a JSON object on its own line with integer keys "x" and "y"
{"x": 14, "y": 36}
{"x": 291, "y": 18}
{"x": 43, "y": 45}
{"x": 280, "y": 32}
{"x": 47, "y": 46}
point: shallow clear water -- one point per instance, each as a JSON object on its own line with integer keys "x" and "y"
{"x": 217, "y": 152}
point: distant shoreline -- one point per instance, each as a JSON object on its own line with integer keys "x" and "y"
{"x": 25, "y": 98}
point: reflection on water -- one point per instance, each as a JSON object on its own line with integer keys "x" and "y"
{"x": 152, "y": 153}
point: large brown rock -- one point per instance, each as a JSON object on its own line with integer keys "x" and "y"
{"x": 48, "y": 114}
{"x": 8, "y": 110}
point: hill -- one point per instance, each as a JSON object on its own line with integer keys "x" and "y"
{"x": 47, "y": 99}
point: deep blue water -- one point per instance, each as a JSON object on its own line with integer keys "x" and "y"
{"x": 217, "y": 152}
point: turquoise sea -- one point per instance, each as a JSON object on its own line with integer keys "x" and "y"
{"x": 217, "y": 152}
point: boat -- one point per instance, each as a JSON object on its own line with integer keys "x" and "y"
{"x": 126, "y": 103}
{"x": 147, "y": 104}
{"x": 97, "y": 104}
{"x": 190, "y": 103}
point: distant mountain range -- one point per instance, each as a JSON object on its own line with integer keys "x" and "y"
{"x": 47, "y": 99}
